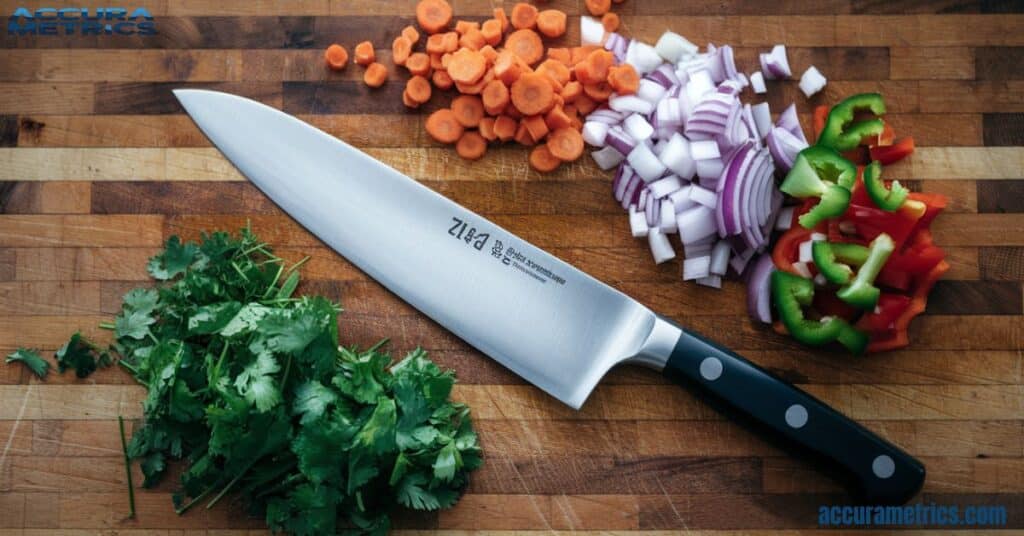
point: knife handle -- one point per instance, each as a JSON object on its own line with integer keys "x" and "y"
{"x": 876, "y": 471}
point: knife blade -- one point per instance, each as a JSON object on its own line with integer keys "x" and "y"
{"x": 542, "y": 318}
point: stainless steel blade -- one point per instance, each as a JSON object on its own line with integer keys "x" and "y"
{"x": 545, "y": 320}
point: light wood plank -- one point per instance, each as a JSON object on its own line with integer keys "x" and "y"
{"x": 928, "y": 63}
{"x": 44, "y": 98}
{"x": 929, "y": 30}
{"x": 80, "y": 230}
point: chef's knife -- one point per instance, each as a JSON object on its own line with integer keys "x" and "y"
{"x": 552, "y": 324}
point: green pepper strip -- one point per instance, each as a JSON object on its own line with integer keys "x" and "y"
{"x": 834, "y": 259}
{"x": 888, "y": 199}
{"x": 840, "y": 134}
{"x": 821, "y": 172}
{"x": 791, "y": 293}
{"x": 862, "y": 292}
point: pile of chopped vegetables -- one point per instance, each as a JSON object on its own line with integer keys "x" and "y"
{"x": 248, "y": 385}
{"x": 858, "y": 261}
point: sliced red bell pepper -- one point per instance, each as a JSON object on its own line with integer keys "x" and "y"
{"x": 882, "y": 320}
{"x": 820, "y": 116}
{"x": 935, "y": 204}
{"x": 786, "y": 250}
{"x": 898, "y": 336}
{"x": 888, "y": 154}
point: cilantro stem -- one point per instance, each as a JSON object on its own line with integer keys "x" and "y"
{"x": 127, "y": 469}
{"x": 231, "y": 484}
{"x": 273, "y": 284}
{"x": 193, "y": 502}
{"x": 107, "y": 325}
{"x": 281, "y": 485}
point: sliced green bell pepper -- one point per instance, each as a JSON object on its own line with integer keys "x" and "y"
{"x": 840, "y": 134}
{"x": 834, "y": 259}
{"x": 824, "y": 173}
{"x": 790, "y": 294}
{"x": 862, "y": 292}
{"x": 888, "y": 199}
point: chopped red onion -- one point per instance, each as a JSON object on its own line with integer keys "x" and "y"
{"x": 661, "y": 249}
{"x": 681, "y": 199}
{"x": 632, "y": 191}
{"x": 662, "y": 187}
{"x": 703, "y": 196}
{"x": 704, "y": 150}
{"x": 652, "y": 209}
{"x": 784, "y": 147}
{"x": 630, "y": 103}
{"x": 730, "y": 87}
{"x": 762, "y": 118}
{"x": 637, "y": 127}
{"x": 642, "y": 200}
{"x": 673, "y": 47}
{"x": 622, "y": 177}
{"x": 804, "y": 251}
{"x": 606, "y": 115}
{"x": 696, "y": 268}
{"x": 740, "y": 258}
{"x": 616, "y": 44}
{"x": 789, "y": 120}
{"x": 775, "y": 64}
{"x": 651, "y": 91}
{"x": 676, "y": 156}
{"x": 643, "y": 57}
{"x": 594, "y": 132}
{"x": 720, "y": 257}
{"x": 812, "y": 81}
{"x": 713, "y": 281}
{"x": 637, "y": 222}
{"x": 695, "y": 223}
{"x": 591, "y": 31}
{"x": 645, "y": 163}
{"x": 785, "y": 219}
{"x": 699, "y": 85}
{"x": 759, "y": 291}
{"x": 709, "y": 169}
{"x": 607, "y": 157}
{"x": 618, "y": 139}
{"x": 802, "y": 269}
{"x": 667, "y": 214}
{"x": 757, "y": 83}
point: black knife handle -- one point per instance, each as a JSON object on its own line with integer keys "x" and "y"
{"x": 876, "y": 471}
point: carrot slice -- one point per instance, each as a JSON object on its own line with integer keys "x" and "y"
{"x": 401, "y": 47}
{"x": 467, "y": 66}
{"x": 584, "y": 104}
{"x": 364, "y": 53}
{"x": 624, "y": 79}
{"x": 471, "y": 146}
{"x": 489, "y": 54}
{"x": 491, "y": 30}
{"x": 513, "y": 112}
{"x": 410, "y": 33}
{"x": 557, "y": 118}
{"x": 532, "y": 94}
{"x": 599, "y": 91}
{"x": 463, "y": 26}
{"x": 571, "y": 90}
{"x": 536, "y": 126}
{"x": 435, "y": 44}
{"x": 523, "y": 136}
{"x": 524, "y": 16}
{"x": 610, "y": 21}
{"x": 451, "y": 41}
{"x": 336, "y": 56}
{"x": 441, "y": 79}
{"x": 554, "y": 69}
{"x": 435, "y": 61}
{"x": 433, "y": 15}
{"x": 468, "y": 110}
{"x": 418, "y": 63}
{"x": 597, "y": 65}
{"x": 499, "y": 14}
{"x": 443, "y": 127}
{"x": 578, "y": 54}
{"x": 473, "y": 39}
{"x": 565, "y": 144}
{"x": 418, "y": 89}
{"x": 526, "y": 44}
{"x": 376, "y": 74}
{"x": 478, "y": 87}
{"x": 542, "y": 160}
{"x": 551, "y": 22}
{"x": 598, "y": 7}
{"x": 495, "y": 97}
{"x": 506, "y": 67}
{"x": 487, "y": 129}
{"x": 505, "y": 127}
{"x": 408, "y": 102}
{"x": 560, "y": 54}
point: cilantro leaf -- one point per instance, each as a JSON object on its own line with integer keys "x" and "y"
{"x": 311, "y": 400}
{"x": 378, "y": 434}
{"x": 256, "y": 384}
{"x": 212, "y": 318}
{"x": 317, "y": 450}
{"x": 31, "y": 359}
{"x": 448, "y": 460}
{"x": 76, "y": 354}
{"x": 132, "y": 324}
{"x": 412, "y": 494}
{"x": 175, "y": 259}
{"x": 143, "y": 300}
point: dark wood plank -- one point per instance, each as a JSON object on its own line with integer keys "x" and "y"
{"x": 349, "y": 97}
{"x": 899, "y": 7}
{"x": 8, "y": 130}
{"x": 1001, "y": 263}
{"x": 157, "y": 98}
{"x": 1001, "y": 196}
{"x": 8, "y": 261}
{"x": 976, "y": 298}
{"x": 999, "y": 63}
{"x": 1003, "y": 129}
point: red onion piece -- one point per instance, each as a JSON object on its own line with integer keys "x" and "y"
{"x": 758, "y": 291}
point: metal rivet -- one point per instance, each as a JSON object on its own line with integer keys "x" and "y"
{"x": 796, "y": 416}
{"x": 711, "y": 368}
{"x": 883, "y": 466}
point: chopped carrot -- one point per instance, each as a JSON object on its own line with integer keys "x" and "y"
{"x": 559, "y": 101}
{"x": 624, "y": 79}
{"x": 446, "y": 58}
{"x": 463, "y": 26}
{"x": 471, "y": 146}
{"x": 491, "y": 30}
{"x": 407, "y": 100}
{"x": 537, "y": 127}
{"x": 418, "y": 89}
{"x": 571, "y": 90}
{"x": 495, "y": 97}
{"x": 524, "y": 16}
{"x": 451, "y": 41}
{"x": 401, "y": 47}
{"x": 410, "y": 33}
{"x": 418, "y": 63}
{"x": 555, "y": 86}
{"x": 554, "y": 69}
{"x": 443, "y": 127}
{"x": 542, "y": 160}
{"x": 441, "y": 79}
{"x": 499, "y": 14}
{"x": 526, "y": 44}
{"x": 597, "y": 64}
{"x": 560, "y": 54}
{"x": 505, "y": 127}
{"x": 336, "y": 56}
{"x": 551, "y": 22}
{"x": 513, "y": 112}
{"x": 473, "y": 39}
{"x": 599, "y": 91}
{"x": 578, "y": 54}
{"x": 468, "y": 110}
{"x": 489, "y": 54}
{"x": 523, "y": 136}
{"x": 584, "y": 104}
{"x": 435, "y": 44}
{"x": 467, "y": 66}
{"x": 364, "y": 53}
{"x": 610, "y": 21}
{"x": 506, "y": 68}
{"x": 532, "y": 94}
{"x": 435, "y": 61}
{"x": 433, "y": 15}
{"x": 487, "y": 129}
{"x": 557, "y": 118}
{"x": 376, "y": 74}
{"x": 565, "y": 144}
{"x": 478, "y": 87}
{"x": 598, "y": 7}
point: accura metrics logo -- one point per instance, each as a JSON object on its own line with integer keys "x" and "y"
{"x": 81, "y": 21}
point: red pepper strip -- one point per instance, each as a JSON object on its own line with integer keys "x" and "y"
{"x": 886, "y": 138}
{"x": 936, "y": 203}
{"x": 888, "y": 154}
{"x": 786, "y": 250}
{"x": 828, "y": 304}
{"x": 820, "y": 115}
{"x": 899, "y": 337}
{"x": 890, "y": 307}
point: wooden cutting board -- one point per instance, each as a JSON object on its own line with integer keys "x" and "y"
{"x": 100, "y": 166}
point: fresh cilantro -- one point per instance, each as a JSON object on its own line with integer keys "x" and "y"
{"x": 31, "y": 359}
{"x": 248, "y": 386}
